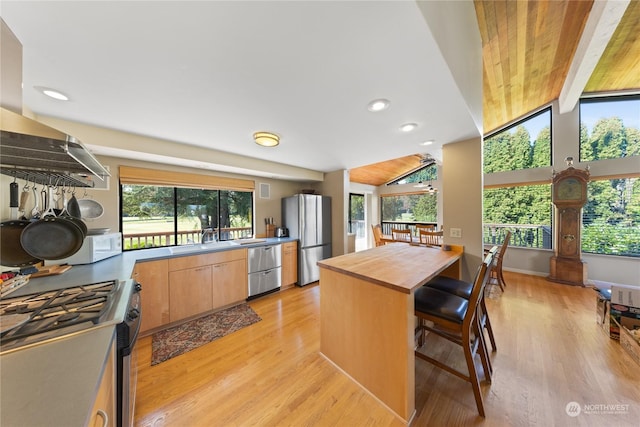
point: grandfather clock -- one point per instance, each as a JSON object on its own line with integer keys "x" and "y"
{"x": 569, "y": 194}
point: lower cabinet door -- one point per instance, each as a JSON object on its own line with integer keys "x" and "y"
{"x": 190, "y": 292}
{"x": 229, "y": 282}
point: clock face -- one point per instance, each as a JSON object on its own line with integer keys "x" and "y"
{"x": 569, "y": 189}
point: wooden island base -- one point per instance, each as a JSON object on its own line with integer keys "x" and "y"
{"x": 367, "y": 317}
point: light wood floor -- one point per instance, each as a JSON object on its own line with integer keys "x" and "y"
{"x": 550, "y": 353}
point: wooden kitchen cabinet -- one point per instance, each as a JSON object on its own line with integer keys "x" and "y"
{"x": 289, "y": 264}
{"x": 184, "y": 287}
{"x": 153, "y": 276}
{"x": 190, "y": 292}
{"x": 104, "y": 407}
{"x": 229, "y": 282}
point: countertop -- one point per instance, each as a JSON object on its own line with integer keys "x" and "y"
{"x": 399, "y": 266}
{"x": 55, "y": 383}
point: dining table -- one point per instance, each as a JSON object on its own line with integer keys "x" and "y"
{"x": 367, "y": 320}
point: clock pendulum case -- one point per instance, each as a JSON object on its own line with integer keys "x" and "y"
{"x": 569, "y": 194}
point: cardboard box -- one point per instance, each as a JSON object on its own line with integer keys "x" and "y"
{"x": 625, "y": 295}
{"x": 630, "y": 344}
{"x": 622, "y": 315}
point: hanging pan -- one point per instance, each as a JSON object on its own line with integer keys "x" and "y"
{"x": 51, "y": 237}
{"x": 12, "y": 254}
{"x": 89, "y": 208}
{"x": 68, "y": 216}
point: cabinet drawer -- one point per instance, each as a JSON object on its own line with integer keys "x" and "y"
{"x": 192, "y": 261}
{"x": 227, "y": 256}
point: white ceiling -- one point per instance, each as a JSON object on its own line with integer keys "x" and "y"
{"x": 210, "y": 73}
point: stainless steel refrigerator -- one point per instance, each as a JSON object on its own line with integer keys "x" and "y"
{"x": 308, "y": 218}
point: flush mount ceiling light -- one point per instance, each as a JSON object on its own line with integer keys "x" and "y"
{"x": 428, "y": 142}
{"x": 52, "y": 93}
{"x": 266, "y": 139}
{"x": 378, "y": 105}
{"x": 408, "y": 127}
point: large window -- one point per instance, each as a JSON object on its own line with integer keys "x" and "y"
{"x": 525, "y": 144}
{"x": 611, "y": 217}
{"x": 409, "y": 208}
{"x": 428, "y": 172}
{"x": 609, "y": 128}
{"x": 356, "y": 214}
{"x": 525, "y": 210}
{"x": 155, "y": 216}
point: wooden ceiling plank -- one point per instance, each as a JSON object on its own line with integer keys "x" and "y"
{"x": 621, "y": 55}
{"x": 600, "y": 27}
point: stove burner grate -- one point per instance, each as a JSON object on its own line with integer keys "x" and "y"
{"x": 56, "y": 313}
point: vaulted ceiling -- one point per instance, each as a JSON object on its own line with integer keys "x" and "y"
{"x": 202, "y": 76}
{"x": 528, "y": 49}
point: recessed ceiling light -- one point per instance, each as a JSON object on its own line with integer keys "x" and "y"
{"x": 408, "y": 127}
{"x": 428, "y": 142}
{"x": 52, "y": 93}
{"x": 378, "y": 105}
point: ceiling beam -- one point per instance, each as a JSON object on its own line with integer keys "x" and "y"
{"x": 603, "y": 20}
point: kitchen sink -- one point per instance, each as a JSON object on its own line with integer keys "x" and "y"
{"x": 201, "y": 247}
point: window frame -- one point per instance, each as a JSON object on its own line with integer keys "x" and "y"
{"x": 178, "y": 180}
{"x": 596, "y": 100}
{"x": 546, "y": 109}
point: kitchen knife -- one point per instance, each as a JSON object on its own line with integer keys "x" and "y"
{"x": 13, "y": 199}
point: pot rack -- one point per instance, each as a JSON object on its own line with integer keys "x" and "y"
{"x": 46, "y": 177}
{"x": 32, "y": 151}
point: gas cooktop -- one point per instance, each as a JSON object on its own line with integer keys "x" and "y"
{"x": 44, "y": 316}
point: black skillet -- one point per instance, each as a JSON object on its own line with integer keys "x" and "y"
{"x": 52, "y": 237}
{"x": 12, "y": 254}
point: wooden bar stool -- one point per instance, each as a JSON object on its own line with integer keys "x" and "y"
{"x": 456, "y": 319}
{"x": 463, "y": 289}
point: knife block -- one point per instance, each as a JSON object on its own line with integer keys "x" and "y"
{"x": 271, "y": 230}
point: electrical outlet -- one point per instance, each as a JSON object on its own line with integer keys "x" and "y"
{"x": 455, "y": 232}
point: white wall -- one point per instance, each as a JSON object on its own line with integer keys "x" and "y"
{"x": 462, "y": 200}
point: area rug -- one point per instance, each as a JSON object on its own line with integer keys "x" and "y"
{"x": 180, "y": 339}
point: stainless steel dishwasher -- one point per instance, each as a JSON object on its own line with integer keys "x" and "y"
{"x": 264, "y": 269}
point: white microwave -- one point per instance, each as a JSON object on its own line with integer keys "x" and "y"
{"x": 94, "y": 248}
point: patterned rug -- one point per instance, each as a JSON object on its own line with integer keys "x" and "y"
{"x": 180, "y": 339}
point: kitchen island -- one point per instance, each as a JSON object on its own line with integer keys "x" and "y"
{"x": 367, "y": 321}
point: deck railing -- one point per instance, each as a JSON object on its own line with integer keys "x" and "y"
{"x": 399, "y": 225}
{"x": 522, "y": 235}
{"x": 169, "y": 238}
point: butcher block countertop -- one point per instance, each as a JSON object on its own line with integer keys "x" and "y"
{"x": 398, "y": 266}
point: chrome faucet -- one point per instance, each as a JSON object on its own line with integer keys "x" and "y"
{"x": 208, "y": 235}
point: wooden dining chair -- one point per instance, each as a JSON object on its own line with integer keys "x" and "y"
{"x": 430, "y": 238}
{"x": 377, "y": 234}
{"x": 401, "y": 235}
{"x": 456, "y": 319}
{"x": 425, "y": 227}
{"x": 496, "y": 268}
